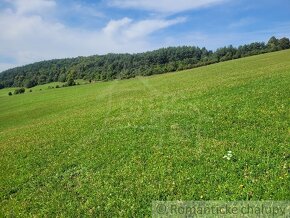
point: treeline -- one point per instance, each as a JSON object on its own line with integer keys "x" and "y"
{"x": 123, "y": 66}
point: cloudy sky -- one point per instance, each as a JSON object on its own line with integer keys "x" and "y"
{"x": 35, "y": 30}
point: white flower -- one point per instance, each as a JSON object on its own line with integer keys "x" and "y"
{"x": 229, "y": 155}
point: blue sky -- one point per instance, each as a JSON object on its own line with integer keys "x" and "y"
{"x": 35, "y": 30}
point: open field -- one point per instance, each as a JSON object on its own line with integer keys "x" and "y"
{"x": 109, "y": 149}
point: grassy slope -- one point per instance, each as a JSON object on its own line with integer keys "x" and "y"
{"x": 4, "y": 92}
{"x": 111, "y": 148}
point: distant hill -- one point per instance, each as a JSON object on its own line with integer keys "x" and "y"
{"x": 122, "y": 66}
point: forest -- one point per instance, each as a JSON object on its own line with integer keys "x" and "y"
{"x": 123, "y": 66}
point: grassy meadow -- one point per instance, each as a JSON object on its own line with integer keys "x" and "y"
{"x": 110, "y": 148}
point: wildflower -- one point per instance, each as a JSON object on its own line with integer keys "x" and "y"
{"x": 229, "y": 155}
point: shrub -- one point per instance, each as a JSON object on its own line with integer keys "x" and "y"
{"x": 70, "y": 82}
{"x": 30, "y": 90}
{"x": 30, "y": 83}
{"x": 9, "y": 93}
{"x": 57, "y": 86}
{"x": 19, "y": 91}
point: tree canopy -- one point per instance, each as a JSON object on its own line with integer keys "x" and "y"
{"x": 123, "y": 66}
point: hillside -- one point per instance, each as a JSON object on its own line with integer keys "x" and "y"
{"x": 110, "y": 148}
{"x": 124, "y": 66}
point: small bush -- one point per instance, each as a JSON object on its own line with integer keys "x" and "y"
{"x": 19, "y": 91}
{"x": 30, "y": 83}
{"x": 9, "y": 93}
{"x": 71, "y": 82}
{"x": 30, "y": 90}
{"x": 57, "y": 86}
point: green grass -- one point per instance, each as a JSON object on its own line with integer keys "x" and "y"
{"x": 109, "y": 149}
{"x": 44, "y": 87}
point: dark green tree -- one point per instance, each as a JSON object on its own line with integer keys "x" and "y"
{"x": 30, "y": 83}
{"x": 273, "y": 44}
{"x": 70, "y": 79}
{"x": 284, "y": 43}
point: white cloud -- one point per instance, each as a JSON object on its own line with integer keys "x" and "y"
{"x": 146, "y": 27}
{"x": 85, "y": 10}
{"x": 4, "y": 66}
{"x": 166, "y": 6}
{"x": 28, "y": 37}
{"x": 129, "y": 30}
{"x": 31, "y": 6}
{"x": 115, "y": 25}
